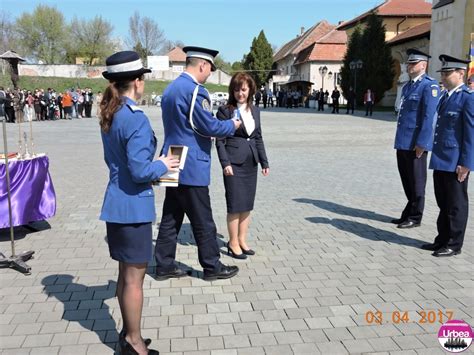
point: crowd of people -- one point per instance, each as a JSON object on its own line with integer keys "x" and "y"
{"x": 22, "y": 105}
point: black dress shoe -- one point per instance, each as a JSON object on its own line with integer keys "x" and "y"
{"x": 226, "y": 272}
{"x": 122, "y": 334}
{"x": 128, "y": 349}
{"x": 397, "y": 220}
{"x": 443, "y": 252}
{"x": 168, "y": 274}
{"x": 408, "y": 224}
{"x": 431, "y": 246}
{"x": 231, "y": 253}
{"x": 248, "y": 251}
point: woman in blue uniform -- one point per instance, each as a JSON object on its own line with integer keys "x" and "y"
{"x": 239, "y": 156}
{"x": 129, "y": 207}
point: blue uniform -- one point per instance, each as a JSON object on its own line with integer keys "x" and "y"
{"x": 417, "y": 113}
{"x": 129, "y": 149}
{"x": 415, "y": 128}
{"x": 188, "y": 120}
{"x": 454, "y": 133}
{"x": 175, "y": 104}
{"x": 453, "y": 146}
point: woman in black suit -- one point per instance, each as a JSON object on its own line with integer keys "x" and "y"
{"x": 239, "y": 156}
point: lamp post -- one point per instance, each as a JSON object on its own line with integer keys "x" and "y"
{"x": 355, "y": 65}
{"x": 322, "y": 71}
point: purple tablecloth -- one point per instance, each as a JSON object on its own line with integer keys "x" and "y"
{"x": 32, "y": 192}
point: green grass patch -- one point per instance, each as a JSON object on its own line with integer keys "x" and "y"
{"x": 62, "y": 84}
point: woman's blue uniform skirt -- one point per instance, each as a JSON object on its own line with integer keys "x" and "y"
{"x": 130, "y": 243}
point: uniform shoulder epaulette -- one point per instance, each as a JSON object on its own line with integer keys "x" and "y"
{"x": 430, "y": 78}
{"x": 134, "y": 108}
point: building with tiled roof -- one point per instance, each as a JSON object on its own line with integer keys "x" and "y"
{"x": 398, "y": 16}
{"x": 177, "y": 59}
{"x": 298, "y": 61}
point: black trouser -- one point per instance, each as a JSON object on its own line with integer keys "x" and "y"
{"x": 320, "y": 105}
{"x": 193, "y": 201}
{"x": 413, "y": 174}
{"x": 88, "y": 109}
{"x": 335, "y": 106}
{"x": 10, "y": 114}
{"x": 368, "y": 108}
{"x": 350, "y": 106}
{"x": 451, "y": 197}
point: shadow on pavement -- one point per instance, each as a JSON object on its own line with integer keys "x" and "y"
{"x": 367, "y": 232}
{"x": 345, "y": 210}
{"x": 85, "y": 305}
{"x": 21, "y": 232}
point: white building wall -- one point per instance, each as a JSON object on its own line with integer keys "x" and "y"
{"x": 316, "y": 78}
{"x": 447, "y": 31}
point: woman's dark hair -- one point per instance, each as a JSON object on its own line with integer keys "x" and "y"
{"x": 236, "y": 82}
{"x": 112, "y": 101}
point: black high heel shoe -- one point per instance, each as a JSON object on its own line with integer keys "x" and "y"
{"x": 122, "y": 334}
{"x": 248, "y": 251}
{"x": 231, "y": 253}
{"x": 128, "y": 349}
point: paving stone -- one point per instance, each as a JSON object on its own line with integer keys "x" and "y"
{"x": 325, "y": 256}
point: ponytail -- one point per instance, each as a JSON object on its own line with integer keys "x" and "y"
{"x": 111, "y": 103}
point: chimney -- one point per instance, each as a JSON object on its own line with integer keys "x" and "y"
{"x": 340, "y": 23}
{"x": 302, "y": 31}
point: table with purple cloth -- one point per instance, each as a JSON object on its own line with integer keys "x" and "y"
{"x": 31, "y": 188}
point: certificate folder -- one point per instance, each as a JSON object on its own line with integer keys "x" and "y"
{"x": 171, "y": 178}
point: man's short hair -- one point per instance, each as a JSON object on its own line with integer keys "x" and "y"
{"x": 193, "y": 61}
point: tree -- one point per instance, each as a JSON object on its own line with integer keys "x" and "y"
{"x": 8, "y": 40}
{"x": 353, "y": 53}
{"x": 92, "y": 39}
{"x": 237, "y": 66}
{"x": 377, "y": 72}
{"x": 42, "y": 34}
{"x": 221, "y": 64}
{"x": 260, "y": 58}
{"x": 145, "y": 36}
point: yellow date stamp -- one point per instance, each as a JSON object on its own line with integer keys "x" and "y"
{"x": 397, "y": 317}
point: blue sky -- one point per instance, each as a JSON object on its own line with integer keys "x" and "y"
{"x": 225, "y": 25}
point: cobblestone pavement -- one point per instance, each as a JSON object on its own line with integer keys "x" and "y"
{"x": 326, "y": 254}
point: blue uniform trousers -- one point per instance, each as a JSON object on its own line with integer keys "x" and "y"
{"x": 413, "y": 175}
{"x": 453, "y": 203}
{"x": 194, "y": 201}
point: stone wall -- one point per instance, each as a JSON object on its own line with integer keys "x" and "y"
{"x": 84, "y": 71}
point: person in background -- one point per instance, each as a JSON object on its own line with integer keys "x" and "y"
{"x": 335, "y": 100}
{"x": 369, "y": 100}
{"x": 67, "y": 103}
{"x": 239, "y": 156}
{"x": 98, "y": 99}
{"x": 350, "y": 101}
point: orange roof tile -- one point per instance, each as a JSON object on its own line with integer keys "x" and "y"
{"x": 313, "y": 34}
{"x": 328, "y": 52}
{"x": 393, "y": 8}
{"x": 415, "y": 32}
{"x": 177, "y": 55}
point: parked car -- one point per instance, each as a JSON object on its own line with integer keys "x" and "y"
{"x": 219, "y": 98}
{"x": 157, "y": 100}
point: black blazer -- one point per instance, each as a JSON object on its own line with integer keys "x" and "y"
{"x": 234, "y": 149}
